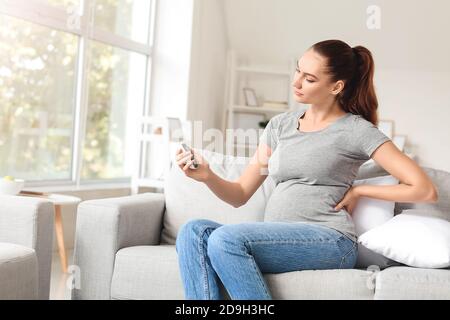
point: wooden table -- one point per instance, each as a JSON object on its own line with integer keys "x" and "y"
{"x": 58, "y": 201}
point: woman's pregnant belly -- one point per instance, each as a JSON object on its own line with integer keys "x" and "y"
{"x": 293, "y": 201}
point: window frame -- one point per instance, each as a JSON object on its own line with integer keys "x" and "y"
{"x": 54, "y": 17}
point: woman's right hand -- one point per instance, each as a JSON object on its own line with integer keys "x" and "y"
{"x": 201, "y": 173}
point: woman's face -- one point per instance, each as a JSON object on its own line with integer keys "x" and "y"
{"x": 311, "y": 85}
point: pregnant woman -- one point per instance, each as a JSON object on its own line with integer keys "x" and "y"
{"x": 314, "y": 157}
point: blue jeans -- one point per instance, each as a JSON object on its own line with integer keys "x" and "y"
{"x": 238, "y": 255}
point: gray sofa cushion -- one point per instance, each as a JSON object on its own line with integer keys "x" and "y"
{"x": 351, "y": 284}
{"x": 151, "y": 272}
{"x": 441, "y": 179}
{"x": 412, "y": 283}
{"x": 147, "y": 272}
{"x": 139, "y": 270}
{"x": 188, "y": 199}
{"x": 18, "y": 272}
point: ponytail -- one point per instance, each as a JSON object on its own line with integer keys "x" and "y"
{"x": 355, "y": 66}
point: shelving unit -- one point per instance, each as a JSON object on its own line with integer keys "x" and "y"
{"x": 156, "y": 150}
{"x": 242, "y": 75}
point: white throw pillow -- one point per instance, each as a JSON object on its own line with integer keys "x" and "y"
{"x": 370, "y": 213}
{"x": 412, "y": 238}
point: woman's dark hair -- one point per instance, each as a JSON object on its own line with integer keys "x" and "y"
{"x": 354, "y": 66}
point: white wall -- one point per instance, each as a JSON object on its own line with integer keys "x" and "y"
{"x": 208, "y": 64}
{"x": 411, "y": 53}
{"x": 419, "y": 104}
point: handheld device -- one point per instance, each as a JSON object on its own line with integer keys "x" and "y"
{"x": 185, "y": 147}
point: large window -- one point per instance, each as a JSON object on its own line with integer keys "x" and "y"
{"x": 116, "y": 80}
{"x": 73, "y": 82}
{"x": 127, "y": 18}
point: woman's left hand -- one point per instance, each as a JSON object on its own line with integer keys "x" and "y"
{"x": 349, "y": 201}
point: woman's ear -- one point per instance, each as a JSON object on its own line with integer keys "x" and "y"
{"x": 338, "y": 87}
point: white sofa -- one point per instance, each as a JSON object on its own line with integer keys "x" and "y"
{"x": 26, "y": 235}
{"x": 125, "y": 246}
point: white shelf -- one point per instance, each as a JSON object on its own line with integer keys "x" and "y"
{"x": 274, "y": 84}
{"x": 271, "y": 72}
{"x": 259, "y": 109}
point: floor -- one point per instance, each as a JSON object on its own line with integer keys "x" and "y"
{"x": 59, "y": 288}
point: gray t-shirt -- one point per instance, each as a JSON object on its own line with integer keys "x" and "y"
{"x": 314, "y": 170}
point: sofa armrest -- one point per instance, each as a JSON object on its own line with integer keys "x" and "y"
{"x": 105, "y": 226}
{"x": 29, "y": 222}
